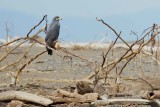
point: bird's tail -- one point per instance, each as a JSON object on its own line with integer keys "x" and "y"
{"x": 49, "y": 51}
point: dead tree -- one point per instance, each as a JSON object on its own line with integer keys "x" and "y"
{"x": 7, "y": 36}
{"x": 102, "y": 71}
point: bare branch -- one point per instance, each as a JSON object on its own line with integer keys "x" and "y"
{"x": 66, "y": 51}
{"x": 36, "y": 25}
{"x": 110, "y": 47}
{"x": 27, "y": 63}
{"x": 6, "y": 66}
{"x": 113, "y": 31}
{"x": 12, "y": 41}
{"x": 126, "y": 63}
{"x": 12, "y": 50}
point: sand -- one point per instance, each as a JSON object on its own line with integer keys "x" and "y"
{"x": 47, "y": 73}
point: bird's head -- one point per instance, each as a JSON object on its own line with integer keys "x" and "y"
{"x": 57, "y": 18}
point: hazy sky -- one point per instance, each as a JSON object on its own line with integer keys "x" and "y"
{"x": 79, "y": 17}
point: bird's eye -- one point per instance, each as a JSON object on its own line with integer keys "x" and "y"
{"x": 57, "y": 18}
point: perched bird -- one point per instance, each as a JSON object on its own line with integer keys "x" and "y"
{"x": 52, "y": 34}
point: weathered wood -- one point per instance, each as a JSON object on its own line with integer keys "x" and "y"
{"x": 24, "y": 96}
{"x": 83, "y": 87}
{"x": 151, "y": 94}
{"x": 15, "y": 103}
{"x": 156, "y": 94}
{"x": 62, "y": 96}
{"x": 111, "y": 101}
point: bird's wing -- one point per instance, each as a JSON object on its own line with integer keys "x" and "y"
{"x": 53, "y": 32}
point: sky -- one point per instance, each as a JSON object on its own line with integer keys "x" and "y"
{"x": 79, "y": 22}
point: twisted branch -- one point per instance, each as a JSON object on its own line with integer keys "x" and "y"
{"x": 113, "y": 31}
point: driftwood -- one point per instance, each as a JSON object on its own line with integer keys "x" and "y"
{"x": 15, "y": 103}
{"x": 59, "y": 80}
{"x": 103, "y": 71}
{"x": 24, "y": 96}
{"x": 151, "y": 94}
{"x": 27, "y": 63}
{"x": 16, "y": 62}
{"x": 83, "y": 87}
{"x": 62, "y": 96}
{"x": 155, "y": 94}
{"x": 111, "y": 101}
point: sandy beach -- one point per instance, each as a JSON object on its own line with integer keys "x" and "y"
{"x": 47, "y": 73}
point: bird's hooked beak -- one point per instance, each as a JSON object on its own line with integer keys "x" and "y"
{"x": 59, "y": 18}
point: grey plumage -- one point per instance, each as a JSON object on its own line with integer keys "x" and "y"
{"x": 52, "y": 34}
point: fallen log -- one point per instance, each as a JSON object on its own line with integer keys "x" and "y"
{"x": 83, "y": 87}
{"x": 62, "y": 96}
{"x": 24, "y": 96}
{"x": 155, "y": 94}
{"x": 112, "y": 101}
